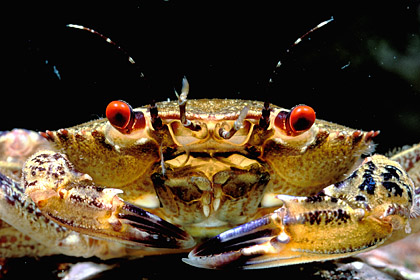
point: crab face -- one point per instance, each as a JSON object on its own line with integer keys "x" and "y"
{"x": 272, "y": 185}
{"x": 201, "y": 178}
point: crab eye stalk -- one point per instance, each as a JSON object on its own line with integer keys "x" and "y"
{"x": 299, "y": 120}
{"x": 123, "y": 118}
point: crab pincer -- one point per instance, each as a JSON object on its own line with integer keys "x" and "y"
{"x": 72, "y": 199}
{"x": 234, "y": 248}
{"x": 348, "y": 217}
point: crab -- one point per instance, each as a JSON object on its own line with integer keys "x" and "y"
{"x": 236, "y": 183}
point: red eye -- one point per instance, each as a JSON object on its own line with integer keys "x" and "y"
{"x": 297, "y": 121}
{"x": 122, "y": 117}
{"x": 119, "y": 114}
{"x": 301, "y": 118}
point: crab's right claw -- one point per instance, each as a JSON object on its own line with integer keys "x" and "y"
{"x": 146, "y": 229}
{"x": 72, "y": 200}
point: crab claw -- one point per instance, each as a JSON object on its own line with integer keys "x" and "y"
{"x": 280, "y": 238}
{"x": 369, "y": 208}
{"x": 74, "y": 201}
{"x": 148, "y": 230}
{"x": 251, "y": 245}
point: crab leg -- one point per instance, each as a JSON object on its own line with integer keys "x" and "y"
{"x": 360, "y": 213}
{"x": 72, "y": 200}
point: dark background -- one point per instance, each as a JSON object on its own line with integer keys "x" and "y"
{"x": 362, "y": 70}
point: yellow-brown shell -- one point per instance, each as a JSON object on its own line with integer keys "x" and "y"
{"x": 201, "y": 181}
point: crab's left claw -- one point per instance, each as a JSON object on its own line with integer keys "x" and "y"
{"x": 261, "y": 243}
{"x": 243, "y": 246}
{"x": 374, "y": 205}
{"x": 280, "y": 238}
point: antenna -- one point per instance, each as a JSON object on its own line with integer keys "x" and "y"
{"x": 108, "y": 40}
{"x": 298, "y": 40}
